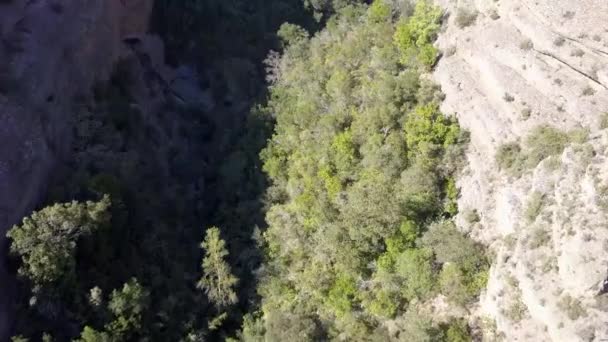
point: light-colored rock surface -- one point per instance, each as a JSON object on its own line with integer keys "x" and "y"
{"x": 545, "y": 54}
{"x": 50, "y": 52}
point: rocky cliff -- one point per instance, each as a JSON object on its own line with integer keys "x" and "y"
{"x": 510, "y": 66}
{"x": 51, "y": 52}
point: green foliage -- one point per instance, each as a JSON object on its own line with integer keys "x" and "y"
{"x": 282, "y": 326}
{"x": 604, "y": 121}
{"x": 427, "y": 125}
{"x": 465, "y": 266}
{"x": 534, "y": 206}
{"x": 291, "y": 34}
{"x": 127, "y": 305}
{"x": 217, "y": 281}
{"x": 508, "y": 157}
{"x": 19, "y": 338}
{"x": 457, "y": 331}
{"x": 451, "y": 205}
{"x": 419, "y": 328}
{"x": 415, "y": 266}
{"x": 47, "y": 240}
{"x": 379, "y": 11}
{"x": 543, "y": 141}
{"x": 360, "y": 164}
{"x": 91, "y": 335}
{"x": 572, "y": 307}
{"x": 342, "y": 294}
{"x": 414, "y": 37}
{"x": 384, "y": 304}
{"x": 361, "y": 161}
{"x": 465, "y": 17}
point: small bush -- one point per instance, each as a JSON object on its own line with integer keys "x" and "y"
{"x": 588, "y": 91}
{"x": 577, "y": 53}
{"x": 559, "y": 41}
{"x": 526, "y": 45}
{"x": 569, "y": 15}
{"x": 516, "y": 311}
{"x": 604, "y": 121}
{"x": 508, "y": 156}
{"x": 533, "y": 207}
{"x": 572, "y": 307}
{"x": 456, "y": 331}
{"x": 494, "y": 15}
{"x": 507, "y": 97}
{"x": 451, "y": 51}
{"x": 471, "y": 216}
{"x": 545, "y": 141}
{"x": 525, "y": 113}
{"x": 465, "y": 17}
{"x": 539, "y": 238}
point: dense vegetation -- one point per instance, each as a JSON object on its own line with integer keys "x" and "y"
{"x": 329, "y": 206}
{"x": 361, "y": 165}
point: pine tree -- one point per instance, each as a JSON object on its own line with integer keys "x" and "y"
{"x": 217, "y": 281}
{"x": 46, "y": 241}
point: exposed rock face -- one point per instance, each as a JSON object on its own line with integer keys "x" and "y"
{"x": 521, "y": 64}
{"x": 50, "y": 53}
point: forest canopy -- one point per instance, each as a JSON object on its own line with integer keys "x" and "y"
{"x": 362, "y": 165}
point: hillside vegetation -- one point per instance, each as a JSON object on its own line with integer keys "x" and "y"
{"x": 330, "y": 211}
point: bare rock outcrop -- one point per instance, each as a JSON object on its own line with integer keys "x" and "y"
{"x": 51, "y": 52}
{"x": 508, "y": 67}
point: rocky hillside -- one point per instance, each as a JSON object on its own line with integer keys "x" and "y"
{"x": 510, "y": 67}
{"x": 50, "y": 52}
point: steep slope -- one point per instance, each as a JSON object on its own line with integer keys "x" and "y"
{"x": 50, "y": 51}
{"x": 509, "y": 67}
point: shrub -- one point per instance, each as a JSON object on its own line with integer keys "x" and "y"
{"x": 526, "y": 45}
{"x": 588, "y": 91}
{"x": 465, "y": 17}
{"x": 604, "y": 121}
{"x": 559, "y": 41}
{"x": 494, "y": 15}
{"x": 577, "y": 53}
{"x": 572, "y": 307}
{"x": 517, "y": 310}
{"x": 471, "y": 216}
{"x": 414, "y": 37}
{"x": 379, "y": 11}
{"x": 540, "y": 237}
{"x": 456, "y": 330}
{"x": 533, "y": 207}
{"x": 342, "y": 294}
{"x": 508, "y": 97}
{"x": 415, "y": 266}
{"x": 545, "y": 141}
{"x": 509, "y": 157}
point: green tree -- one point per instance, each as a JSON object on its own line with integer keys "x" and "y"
{"x": 416, "y": 267}
{"x": 217, "y": 281}
{"x": 414, "y": 36}
{"x": 127, "y": 305}
{"x": 47, "y": 240}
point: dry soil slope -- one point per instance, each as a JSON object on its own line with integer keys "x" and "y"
{"x": 551, "y": 58}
